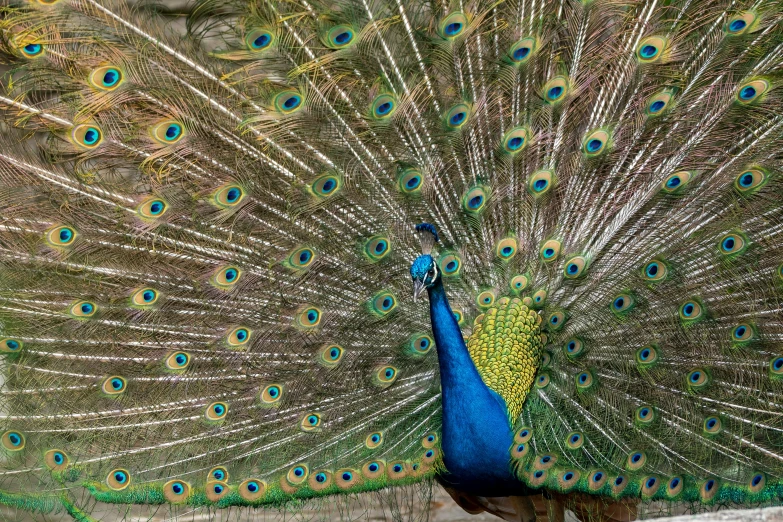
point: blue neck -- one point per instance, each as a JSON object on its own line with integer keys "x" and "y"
{"x": 477, "y": 436}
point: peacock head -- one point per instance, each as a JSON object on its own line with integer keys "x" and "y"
{"x": 424, "y": 270}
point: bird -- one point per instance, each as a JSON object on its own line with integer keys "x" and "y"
{"x": 259, "y": 253}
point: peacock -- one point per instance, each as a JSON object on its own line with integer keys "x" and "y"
{"x": 256, "y": 254}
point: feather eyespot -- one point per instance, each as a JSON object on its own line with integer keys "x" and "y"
{"x": 152, "y": 208}
{"x": 144, "y": 297}
{"x": 410, "y": 181}
{"x": 574, "y": 348}
{"x": 523, "y": 435}
{"x": 326, "y": 186}
{"x": 475, "y": 200}
{"x": 550, "y": 250}
{"x": 61, "y": 236}
{"x": 396, "y": 470}
{"x": 259, "y": 40}
{"x": 697, "y": 379}
{"x": 271, "y": 395}
{"x": 523, "y": 50}
{"x": 219, "y": 474}
{"x": 374, "y": 440}
{"x": 757, "y": 482}
{"x": 584, "y": 380}
{"x": 646, "y": 356}
{"x": 450, "y": 264}
{"x": 575, "y": 267}
{"x": 658, "y": 104}
{"x": 485, "y": 299}
{"x": 540, "y": 183}
{"x": 539, "y": 298}
{"x": 742, "y": 333}
{"x": 383, "y": 303}
{"x": 595, "y": 143}
{"x": 252, "y": 489}
{"x": 429, "y": 440}
{"x": 674, "y": 487}
{"x": 340, "y": 36}
{"x": 114, "y": 385}
{"x": 644, "y": 415}
{"x": 752, "y": 91}
{"x": 87, "y": 136}
{"x": 11, "y": 345}
{"x": 623, "y": 303}
{"x": 383, "y": 106}
{"x": 650, "y": 486}
{"x": 453, "y": 25}
{"x": 331, "y": 355}
{"x": 556, "y": 89}
{"x": 311, "y": 422}
{"x": 519, "y": 283}
{"x": 574, "y": 440}
{"x": 691, "y": 311}
{"x": 421, "y": 344}
{"x": 740, "y": 23}
{"x": 177, "y": 361}
{"x": 226, "y": 278}
{"x": 457, "y": 116}
{"x": 385, "y": 376}
{"x": 377, "y": 248}
{"x": 168, "y": 132}
{"x": 676, "y": 181}
{"x": 542, "y": 381}
{"x": 505, "y": 249}
{"x": 776, "y": 367}
{"x": 56, "y": 460}
{"x": 636, "y": 461}
{"x": 106, "y": 78}
{"x": 301, "y": 258}
{"x": 237, "y": 337}
{"x": 32, "y": 50}
{"x": 83, "y": 309}
{"x": 176, "y": 491}
{"x": 651, "y": 49}
{"x": 732, "y": 244}
{"x": 228, "y": 196}
{"x": 288, "y": 102}
{"x": 708, "y": 490}
{"x": 556, "y": 320}
{"x": 516, "y": 140}
{"x": 655, "y": 271}
{"x": 597, "y": 480}
{"x": 216, "y": 490}
{"x": 712, "y": 425}
{"x": 13, "y": 440}
{"x": 216, "y": 411}
{"x": 750, "y": 180}
{"x": 118, "y": 479}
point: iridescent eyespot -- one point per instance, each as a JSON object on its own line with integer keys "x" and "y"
{"x": 636, "y": 460}
{"x": 383, "y": 303}
{"x": 219, "y": 474}
{"x": 459, "y": 317}
{"x": 697, "y": 379}
{"x": 646, "y": 356}
{"x": 757, "y": 482}
{"x": 410, "y": 181}
{"x": 396, "y": 470}
{"x": 216, "y": 490}
{"x": 450, "y": 264}
{"x": 655, "y": 270}
{"x": 457, "y": 116}
{"x": 505, "y": 249}
{"x": 752, "y": 91}
{"x": 226, "y": 278}
{"x": 32, "y": 50}
{"x": 259, "y": 40}
{"x": 776, "y": 366}
{"x": 309, "y": 317}
{"x": 61, "y": 236}
{"x": 114, "y": 385}
{"x": 373, "y": 469}
{"x": 310, "y": 422}
{"x": 144, "y": 297}
{"x": 106, "y": 78}
{"x": 742, "y": 333}
{"x": 658, "y": 104}
{"x": 383, "y": 106}
{"x": 429, "y": 440}
{"x": 385, "y": 376}
{"x": 453, "y": 25}
{"x": 83, "y": 309}
{"x": 340, "y": 36}
{"x": 421, "y": 344}
{"x": 87, "y": 136}
{"x": 516, "y": 140}
{"x": 676, "y": 181}
{"x": 644, "y": 415}
{"x": 168, "y": 132}
{"x": 10, "y": 345}
{"x": 485, "y": 299}
{"x": 271, "y": 395}
{"x": 574, "y": 440}
{"x": 623, "y": 303}
{"x": 574, "y": 348}
{"x": 152, "y": 208}
{"x": 550, "y": 250}
{"x": 118, "y": 479}
{"x": 523, "y": 435}
{"x": 475, "y": 200}
{"x": 518, "y": 283}
{"x": 555, "y": 90}
{"x": 331, "y": 355}
{"x": 539, "y": 298}
{"x": 56, "y": 460}
{"x": 378, "y": 247}
{"x": 252, "y": 489}
{"x": 542, "y": 381}
{"x": 651, "y": 49}
{"x": 691, "y": 311}
{"x": 575, "y": 267}
{"x": 177, "y": 361}
{"x": 712, "y": 425}
{"x": 228, "y": 196}
{"x": 216, "y": 411}
{"x": 597, "y": 480}
{"x": 674, "y": 487}
{"x": 326, "y": 186}
{"x": 238, "y": 336}
{"x": 595, "y": 143}
{"x": 300, "y": 258}
{"x": 733, "y": 244}
{"x": 288, "y": 102}
{"x": 556, "y": 320}
{"x": 584, "y": 380}
{"x": 708, "y": 490}
{"x": 524, "y": 49}
{"x": 541, "y": 182}
{"x": 176, "y": 491}
{"x": 750, "y": 180}
{"x": 740, "y": 23}
{"x": 13, "y": 440}
{"x": 650, "y": 486}
{"x": 374, "y": 440}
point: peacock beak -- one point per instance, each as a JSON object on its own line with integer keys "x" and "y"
{"x": 418, "y": 288}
